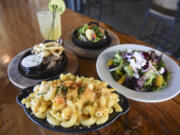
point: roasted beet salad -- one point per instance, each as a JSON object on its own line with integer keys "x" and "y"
{"x": 139, "y": 70}
{"x": 43, "y": 61}
{"x": 91, "y": 36}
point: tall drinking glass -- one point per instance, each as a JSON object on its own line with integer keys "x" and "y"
{"x": 49, "y": 23}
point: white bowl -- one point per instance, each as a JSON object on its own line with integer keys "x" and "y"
{"x": 164, "y": 94}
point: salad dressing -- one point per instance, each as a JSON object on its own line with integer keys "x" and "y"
{"x": 32, "y": 60}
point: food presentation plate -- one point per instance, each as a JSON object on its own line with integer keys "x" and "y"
{"x": 22, "y": 82}
{"x": 172, "y": 89}
{"x": 90, "y": 45}
{"x": 88, "y": 53}
{"x": 43, "y": 74}
{"x": 76, "y": 129}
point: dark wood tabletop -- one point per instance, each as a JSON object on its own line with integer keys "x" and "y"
{"x": 19, "y": 30}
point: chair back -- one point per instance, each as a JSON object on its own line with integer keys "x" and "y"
{"x": 167, "y": 4}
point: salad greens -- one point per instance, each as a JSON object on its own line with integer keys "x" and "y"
{"x": 82, "y": 30}
{"x": 128, "y": 70}
{"x": 91, "y": 33}
{"x": 139, "y": 70}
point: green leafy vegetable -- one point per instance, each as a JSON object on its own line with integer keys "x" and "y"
{"x": 152, "y": 76}
{"x": 119, "y": 52}
{"x": 118, "y": 60}
{"x": 115, "y": 62}
{"x": 58, "y": 91}
{"x": 159, "y": 88}
{"x": 97, "y": 39}
{"x": 159, "y": 65}
{"x": 149, "y": 81}
{"x": 167, "y": 77}
{"x": 97, "y": 31}
{"x": 115, "y": 75}
{"x": 128, "y": 71}
{"x": 82, "y": 30}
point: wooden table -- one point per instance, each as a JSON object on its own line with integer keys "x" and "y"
{"x": 19, "y": 30}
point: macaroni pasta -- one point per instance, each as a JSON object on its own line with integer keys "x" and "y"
{"x": 72, "y": 101}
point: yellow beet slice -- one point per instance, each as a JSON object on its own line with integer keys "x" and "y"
{"x": 159, "y": 80}
{"x": 118, "y": 71}
{"x": 110, "y": 62}
{"x": 122, "y": 79}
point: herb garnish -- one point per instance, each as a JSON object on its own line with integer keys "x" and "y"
{"x": 81, "y": 90}
{"x": 58, "y": 90}
{"x": 63, "y": 90}
{"x": 87, "y": 103}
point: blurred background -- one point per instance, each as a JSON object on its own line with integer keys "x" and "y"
{"x": 153, "y": 21}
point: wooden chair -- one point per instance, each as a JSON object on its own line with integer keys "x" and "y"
{"x": 166, "y": 11}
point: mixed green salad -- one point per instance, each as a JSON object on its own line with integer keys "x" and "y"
{"x": 91, "y": 32}
{"x": 139, "y": 70}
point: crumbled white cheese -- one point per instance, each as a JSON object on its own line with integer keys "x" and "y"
{"x": 137, "y": 63}
{"x": 129, "y": 50}
{"x": 129, "y": 56}
{"x": 136, "y": 75}
{"x": 161, "y": 71}
{"x": 132, "y": 62}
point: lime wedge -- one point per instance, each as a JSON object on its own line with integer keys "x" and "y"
{"x": 58, "y": 4}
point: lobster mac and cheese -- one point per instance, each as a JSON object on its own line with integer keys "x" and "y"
{"x": 72, "y": 101}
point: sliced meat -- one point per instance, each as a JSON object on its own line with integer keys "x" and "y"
{"x": 51, "y": 64}
{"x": 51, "y": 61}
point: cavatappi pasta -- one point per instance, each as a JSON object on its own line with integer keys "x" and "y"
{"x": 72, "y": 101}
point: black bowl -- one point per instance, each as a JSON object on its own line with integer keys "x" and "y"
{"x": 40, "y": 73}
{"x": 76, "y": 129}
{"x": 89, "y": 44}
